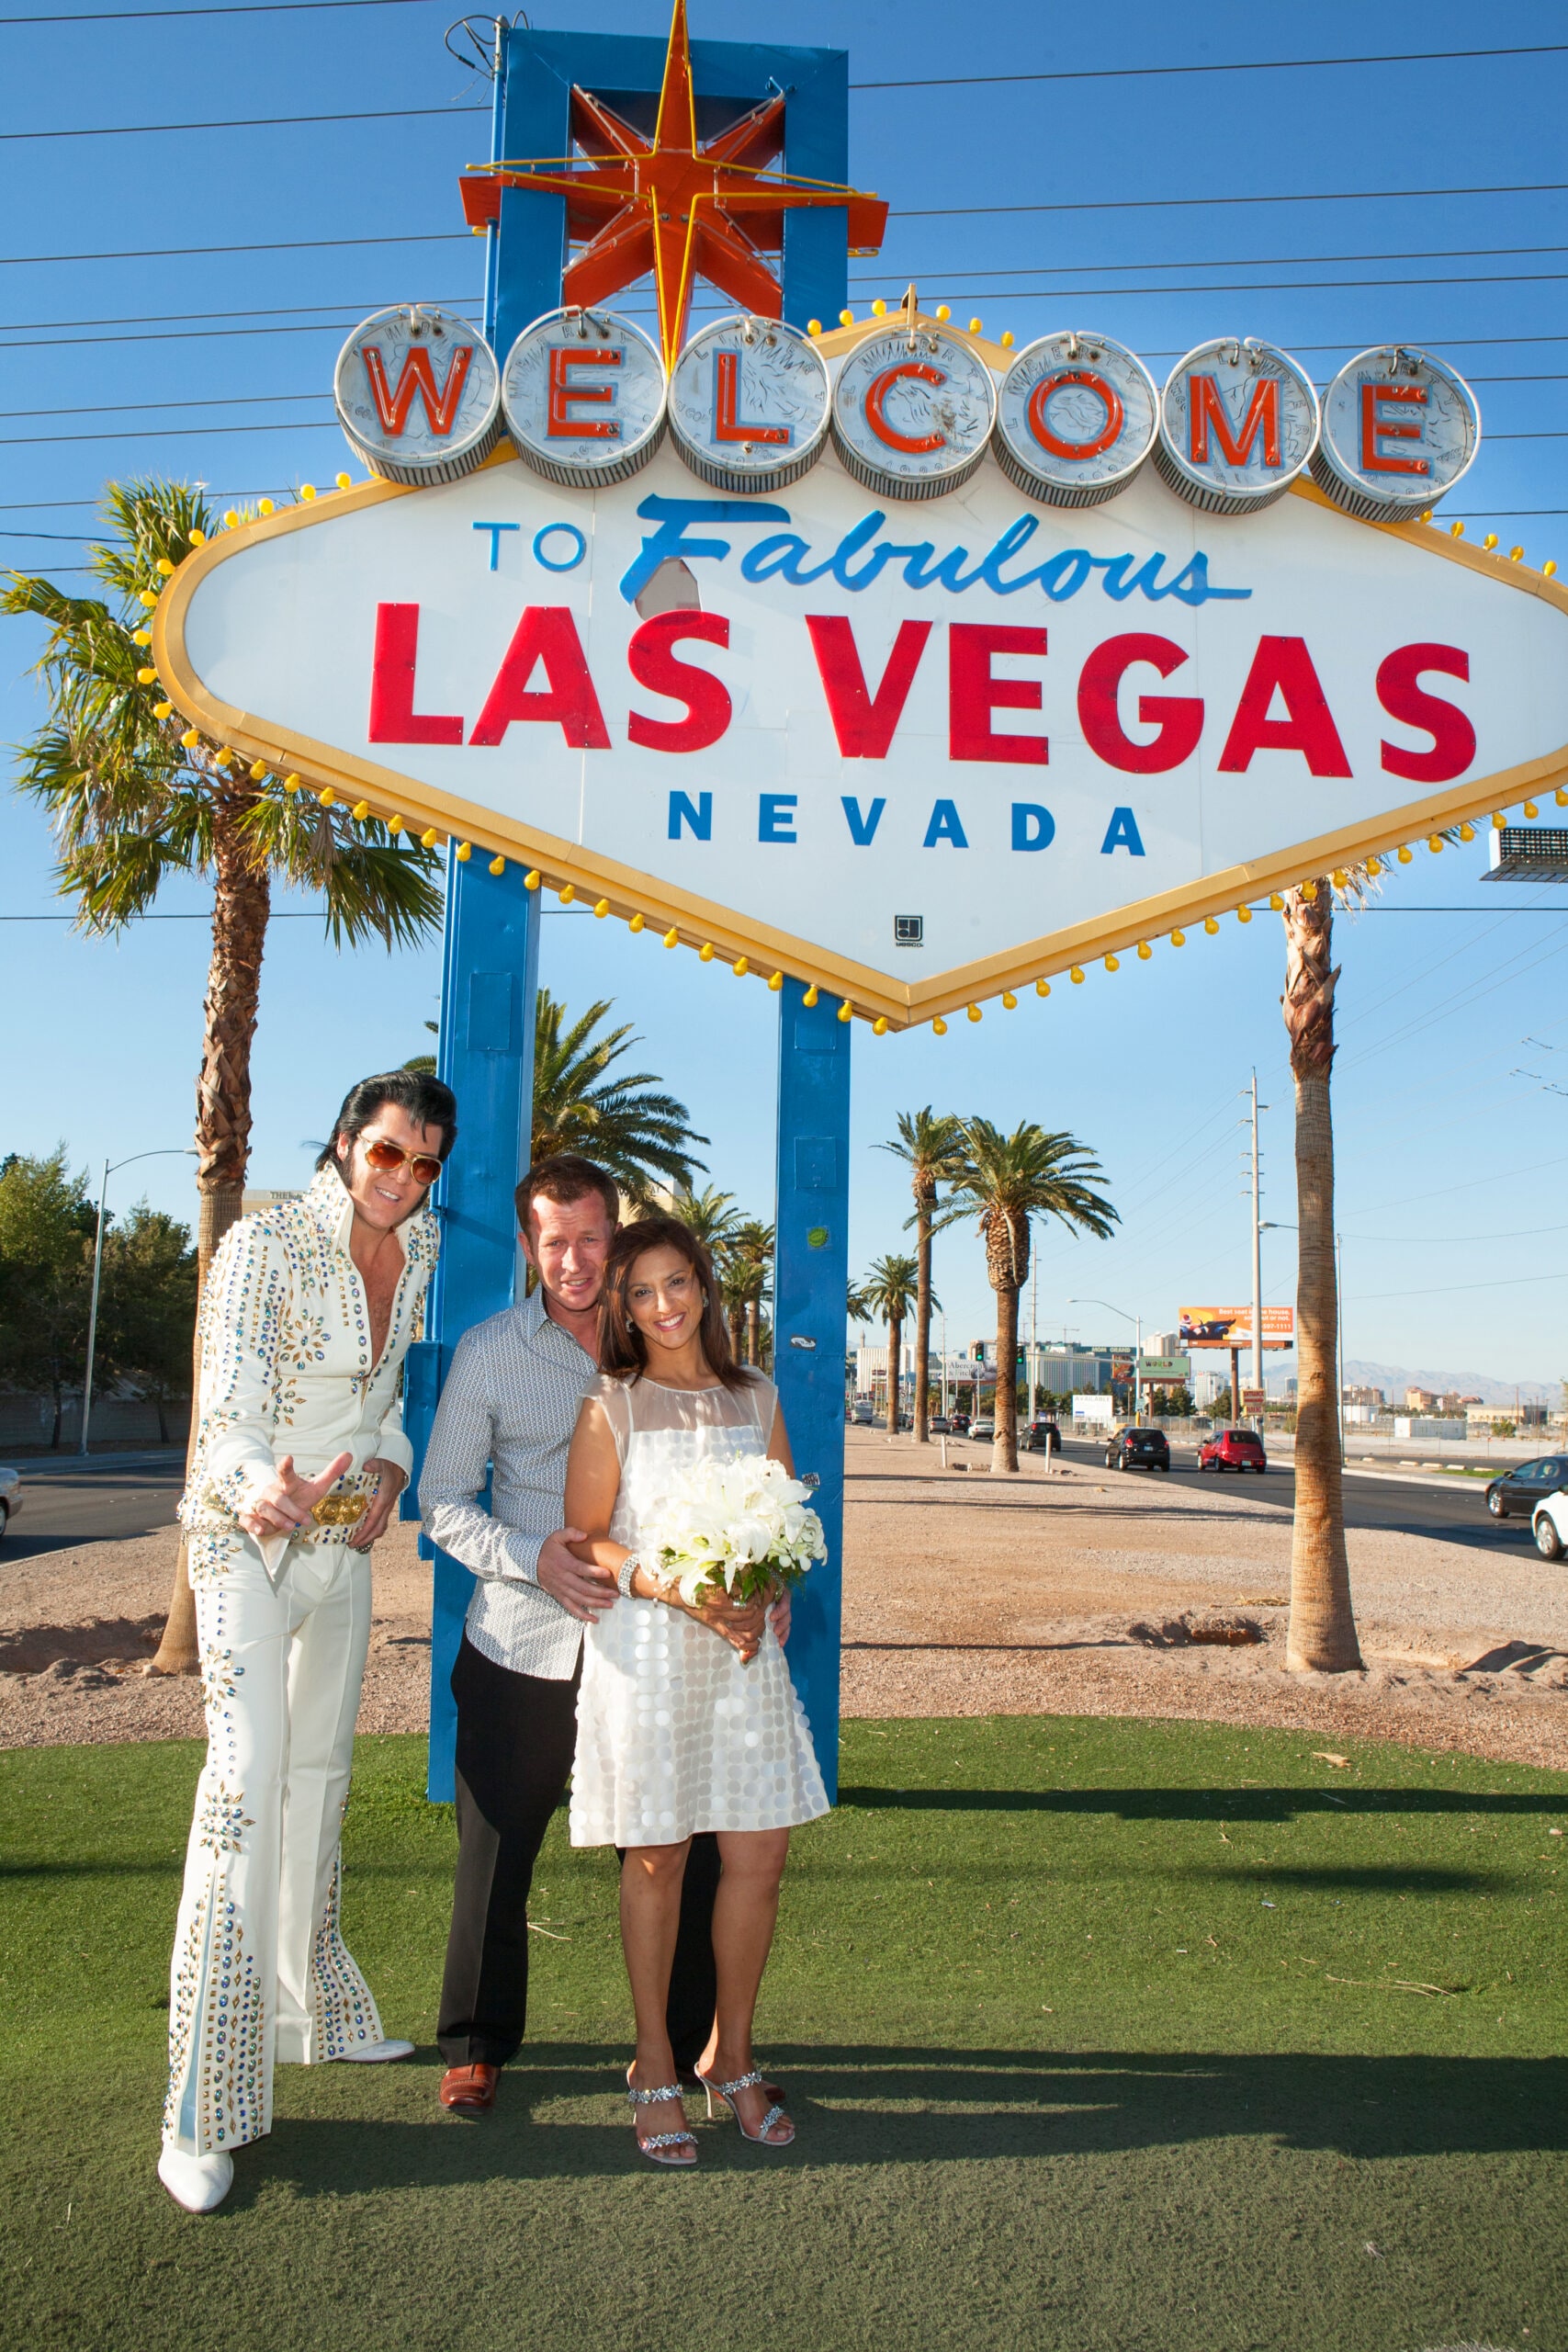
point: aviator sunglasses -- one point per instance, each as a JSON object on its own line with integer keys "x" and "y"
{"x": 423, "y": 1165}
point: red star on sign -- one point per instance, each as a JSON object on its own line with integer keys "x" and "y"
{"x": 668, "y": 205}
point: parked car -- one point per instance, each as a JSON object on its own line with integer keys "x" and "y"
{"x": 10, "y": 1497}
{"x": 960, "y": 1423}
{"x": 1232, "y": 1450}
{"x": 1525, "y": 1484}
{"x": 982, "y": 1430}
{"x": 1549, "y": 1525}
{"x": 1136, "y": 1449}
{"x": 1041, "y": 1436}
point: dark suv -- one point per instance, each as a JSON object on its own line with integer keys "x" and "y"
{"x": 1525, "y": 1484}
{"x": 1041, "y": 1436}
{"x": 1232, "y": 1450}
{"x": 1139, "y": 1450}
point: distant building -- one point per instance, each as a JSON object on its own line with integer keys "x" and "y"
{"x": 1372, "y": 1399}
{"x": 250, "y": 1201}
{"x": 1421, "y": 1400}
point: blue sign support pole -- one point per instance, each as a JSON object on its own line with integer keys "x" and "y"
{"x": 492, "y": 924}
{"x": 811, "y": 1252}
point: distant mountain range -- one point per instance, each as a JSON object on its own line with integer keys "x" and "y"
{"x": 1393, "y": 1379}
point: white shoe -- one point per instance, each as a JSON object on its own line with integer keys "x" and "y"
{"x": 199, "y": 2183}
{"x": 377, "y": 2053}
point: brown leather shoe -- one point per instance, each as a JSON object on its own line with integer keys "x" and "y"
{"x": 470, "y": 2090}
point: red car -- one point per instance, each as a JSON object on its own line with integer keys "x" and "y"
{"x": 1234, "y": 1450}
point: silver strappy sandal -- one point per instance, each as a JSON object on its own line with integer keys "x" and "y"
{"x": 657, "y": 2142}
{"x": 753, "y": 2081}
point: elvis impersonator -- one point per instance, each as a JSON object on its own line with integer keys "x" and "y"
{"x": 300, "y": 1459}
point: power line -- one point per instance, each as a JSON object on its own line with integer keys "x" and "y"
{"x": 285, "y": 310}
{"x": 244, "y": 122}
{"x": 1257, "y": 65}
{"x": 1185, "y": 203}
{"x": 1249, "y": 261}
{"x": 162, "y": 433}
{"x": 1118, "y": 204}
{"x": 130, "y": 408}
{"x": 945, "y": 81}
{"x": 1254, "y": 286}
{"x": 241, "y": 8}
{"x": 290, "y": 245}
{"x": 361, "y": 307}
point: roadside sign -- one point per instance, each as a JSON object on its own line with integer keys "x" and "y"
{"x": 1230, "y": 1327}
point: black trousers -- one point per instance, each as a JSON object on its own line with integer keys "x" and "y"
{"x": 515, "y": 1737}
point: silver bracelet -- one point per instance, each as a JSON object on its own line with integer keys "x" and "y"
{"x": 628, "y": 1569}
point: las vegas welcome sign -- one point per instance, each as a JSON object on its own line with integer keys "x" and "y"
{"x": 888, "y": 658}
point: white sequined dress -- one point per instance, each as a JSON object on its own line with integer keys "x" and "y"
{"x": 674, "y": 1734}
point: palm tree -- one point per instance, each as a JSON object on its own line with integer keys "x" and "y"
{"x": 889, "y": 1290}
{"x": 928, "y": 1145}
{"x": 750, "y": 1251}
{"x": 712, "y": 1216}
{"x": 734, "y": 1286}
{"x": 133, "y": 797}
{"x": 1323, "y": 1621}
{"x": 1003, "y": 1181}
{"x": 639, "y": 1137}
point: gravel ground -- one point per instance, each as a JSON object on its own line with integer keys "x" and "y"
{"x": 1072, "y": 1594}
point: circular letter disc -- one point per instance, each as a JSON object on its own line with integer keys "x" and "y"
{"x": 913, "y": 412}
{"x": 1399, "y": 429}
{"x": 583, "y": 395}
{"x": 417, "y": 393}
{"x": 1239, "y": 421}
{"x": 749, "y": 404}
{"x": 1076, "y": 415}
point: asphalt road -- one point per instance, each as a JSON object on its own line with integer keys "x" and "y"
{"x": 1458, "y": 1515}
{"x": 68, "y": 1503}
{"x": 72, "y": 1502}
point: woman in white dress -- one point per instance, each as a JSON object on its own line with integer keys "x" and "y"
{"x": 686, "y": 1719}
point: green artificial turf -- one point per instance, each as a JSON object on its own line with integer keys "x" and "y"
{"x": 1098, "y": 2034}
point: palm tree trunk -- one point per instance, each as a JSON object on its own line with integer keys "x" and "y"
{"x": 754, "y": 1330}
{"x": 1323, "y": 1623}
{"x": 1004, "y": 1445}
{"x": 894, "y": 1366}
{"x": 241, "y": 908}
{"x": 736, "y": 1315}
{"x": 923, "y": 1318}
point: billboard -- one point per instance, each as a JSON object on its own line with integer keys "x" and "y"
{"x": 1167, "y": 1368}
{"x": 1230, "y": 1327}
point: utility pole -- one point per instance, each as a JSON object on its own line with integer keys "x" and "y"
{"x": 944, "y": 1367}
{"x": 1256, "y": 1381}
{"x": 173, "y": 1152}
{"x": 1033, "y": 1304}
{"x": 1256, "y": 1253}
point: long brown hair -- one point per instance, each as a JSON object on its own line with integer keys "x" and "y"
{"x": 622, "y": 1348}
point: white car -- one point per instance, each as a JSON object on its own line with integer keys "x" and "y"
{"x": 10, "y": 1497}
{"x": 1549, "y": 1525}
{"x": 984, "y": 1431}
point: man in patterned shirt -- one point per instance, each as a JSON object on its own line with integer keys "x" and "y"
{"x": 300, "y": 1456}
{"x": 509, "y": 1405}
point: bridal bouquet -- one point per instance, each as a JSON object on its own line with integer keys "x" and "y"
{"x": 743, "y": 1527}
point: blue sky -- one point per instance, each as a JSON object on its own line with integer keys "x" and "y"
{"x": 1452, "y": 1145}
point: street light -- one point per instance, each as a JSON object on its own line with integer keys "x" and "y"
{"x": 169, "y": 1152}
{"x": 1137, "y": 1322}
